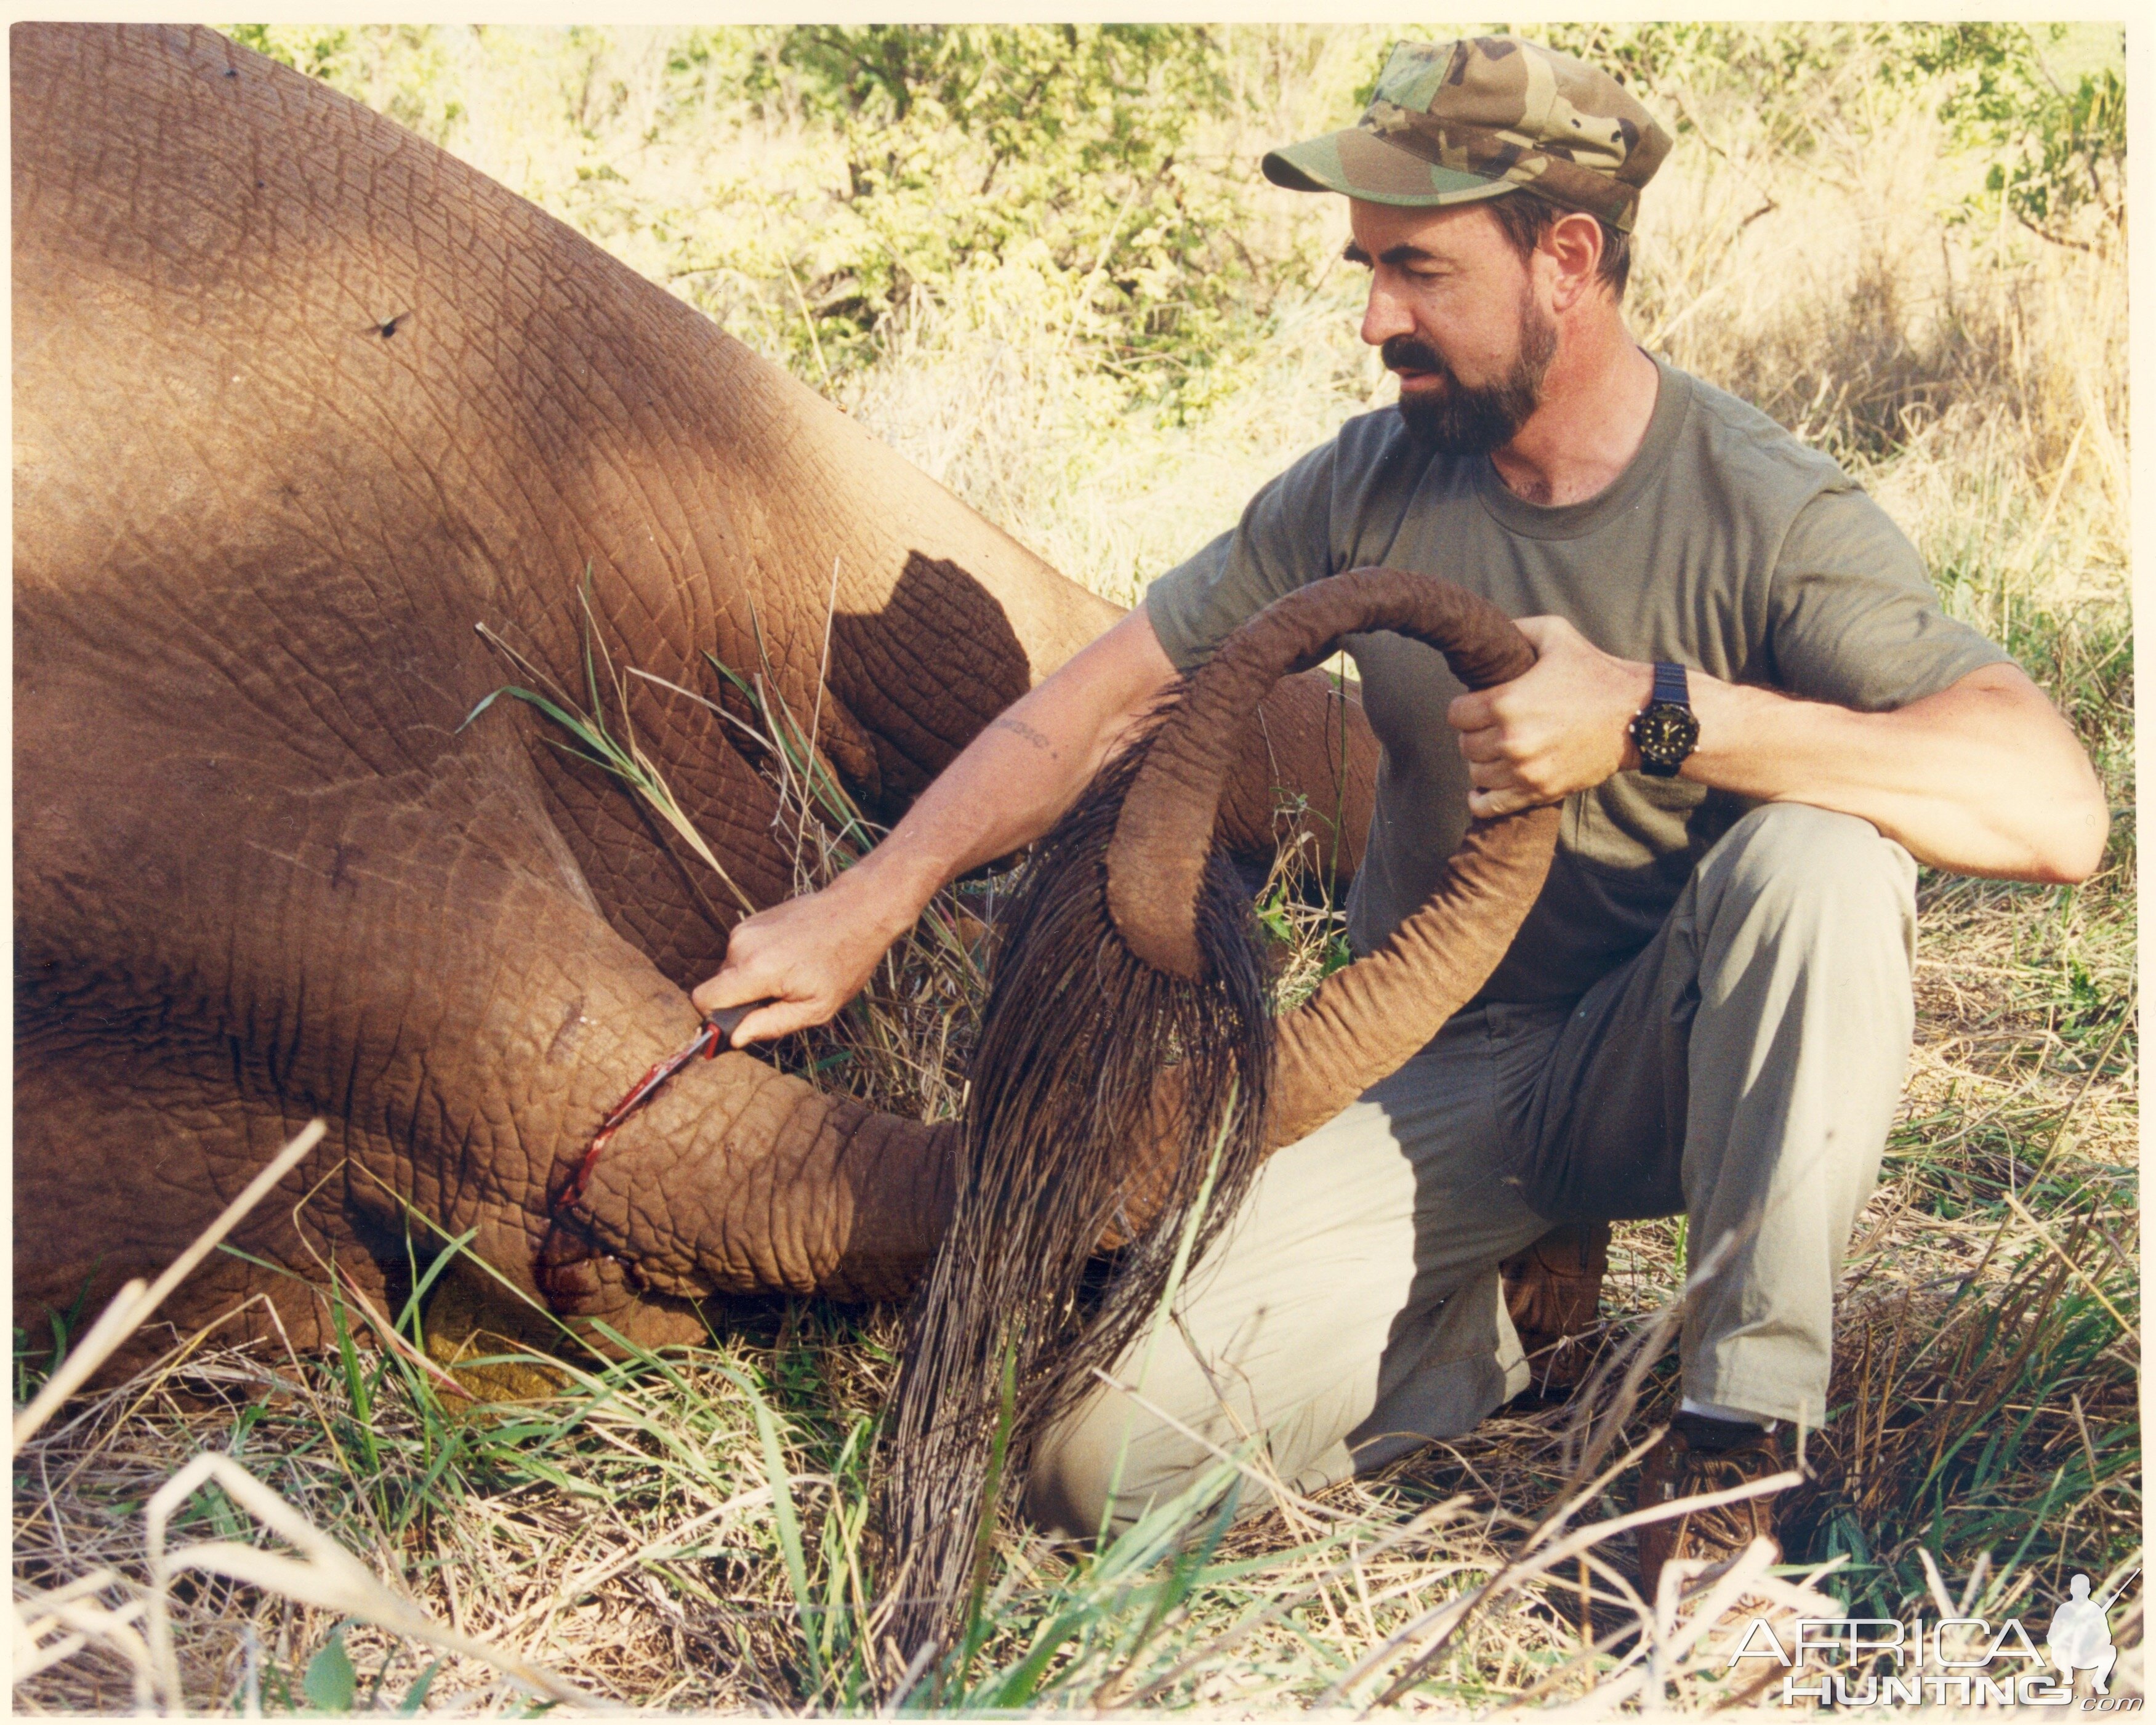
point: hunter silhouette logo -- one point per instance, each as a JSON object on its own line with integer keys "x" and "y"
{"x": 2080, "y": 1638}
{"x": 1965, "y": 1661}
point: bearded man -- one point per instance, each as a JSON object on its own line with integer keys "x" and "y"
{"x": 1758, "y": 721}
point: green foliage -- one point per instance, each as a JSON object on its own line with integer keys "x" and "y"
{"x": 329, "y": 1684}
{"x": 2045, "y": 105}
{"x": 2057, "y": 147}
{"x": 1791, "y": 79}
{"x": 34, "y": 1361}
{"x": 1056, "y": 146}
{"x": 593, "y": 739}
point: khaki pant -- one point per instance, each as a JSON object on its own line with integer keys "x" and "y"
{"x": 1742, "y": 1069}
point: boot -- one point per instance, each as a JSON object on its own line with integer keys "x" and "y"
{"x": 1552, "y": 1291}
{"x": 1700, "y": 1455}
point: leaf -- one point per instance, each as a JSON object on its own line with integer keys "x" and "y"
{"x": 331, "y": 1683}
{"x": 411, "y": 1702}
{"x": 486, "y": 701}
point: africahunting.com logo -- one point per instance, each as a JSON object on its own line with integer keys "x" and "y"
{"x": 1962, "y": 1661}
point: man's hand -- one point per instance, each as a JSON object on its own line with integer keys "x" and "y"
{"x": 809, "y": 956}
{"x": 1984, "y": 777}
{"x": 1559, "y": 727}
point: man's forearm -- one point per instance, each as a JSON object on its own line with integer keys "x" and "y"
{"x": 803, "y": 959}
{"x": 1982, "y": 778}
{"x": 1003, "y": 791}
{"x": 1014, "y": 781}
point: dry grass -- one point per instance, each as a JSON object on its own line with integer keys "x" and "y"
{"x": 626, "y": 1532}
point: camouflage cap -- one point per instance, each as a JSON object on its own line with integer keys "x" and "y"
{"x": 1454, "y": 121}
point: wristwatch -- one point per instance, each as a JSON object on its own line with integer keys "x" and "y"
{"x": 1666, "y": 729}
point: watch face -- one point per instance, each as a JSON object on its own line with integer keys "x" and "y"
{"x": 1666, "y": 733}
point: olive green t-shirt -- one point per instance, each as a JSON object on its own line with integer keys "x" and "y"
{"x": 1725, "y": 545}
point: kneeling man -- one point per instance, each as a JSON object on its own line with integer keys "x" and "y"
{"x": 1758, "y": 721}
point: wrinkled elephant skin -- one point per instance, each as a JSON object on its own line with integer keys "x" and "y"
{"x": 299, "y": 400}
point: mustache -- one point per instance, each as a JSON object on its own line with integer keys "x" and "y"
{"x": 1409, "y": 354}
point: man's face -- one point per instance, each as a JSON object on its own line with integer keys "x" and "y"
{"x": 1453, "y": 310}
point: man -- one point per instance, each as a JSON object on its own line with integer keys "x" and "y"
{"x": 1709, "y": 1009}
{"x": 2080, "y": 1637}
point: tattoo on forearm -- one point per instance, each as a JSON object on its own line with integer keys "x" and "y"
{"x": 1021, "y": 729}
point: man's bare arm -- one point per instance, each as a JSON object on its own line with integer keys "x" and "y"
{"x": 811, "y": 955}
{"x": 1984, "y": 777}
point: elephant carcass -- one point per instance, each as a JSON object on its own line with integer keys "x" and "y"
{"x": 299, "y": 400}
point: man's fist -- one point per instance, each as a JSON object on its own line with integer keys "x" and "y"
{"x": 1559, "y": 727}
{"x": 809, "y": 956}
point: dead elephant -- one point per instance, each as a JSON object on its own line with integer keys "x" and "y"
{"x": 298, "y": 400}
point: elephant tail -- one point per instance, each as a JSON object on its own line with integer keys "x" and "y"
{"x": 1130, "y": 1079}
{"x": 1365, "y": 1020}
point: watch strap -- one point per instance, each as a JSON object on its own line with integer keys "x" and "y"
{"x": 1670, "y": 683}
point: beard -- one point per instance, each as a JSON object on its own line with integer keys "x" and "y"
{"x": 1456, "y": 420}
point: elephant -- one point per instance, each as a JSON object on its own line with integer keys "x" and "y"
{"x": 300, "y": 399}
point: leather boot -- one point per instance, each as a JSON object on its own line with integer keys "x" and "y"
{"x": 1698, "y": 1456}
{"x": 1552, "y": 1291}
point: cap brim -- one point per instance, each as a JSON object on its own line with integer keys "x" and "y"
{"x": 1358, "y": 165}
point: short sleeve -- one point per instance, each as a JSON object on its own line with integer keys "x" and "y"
{"x": 1283, "y": 541}
{"x": 1853, "y": 617}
